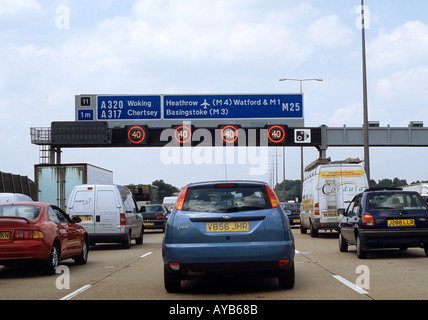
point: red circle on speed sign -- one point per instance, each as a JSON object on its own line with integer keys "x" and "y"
{"x": 229, "y": 134}
{"x": 183, "y": 134}
{"x": 136, "y": 134}
{"x": 276, "y": 134}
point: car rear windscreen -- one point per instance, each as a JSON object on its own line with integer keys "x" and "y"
{"x": 233, "y": 198}
{"x": 29, "y": 212}
{"x": 395, "y": 201}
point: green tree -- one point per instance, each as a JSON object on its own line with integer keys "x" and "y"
{"x": 388, "y": 183}
{"x": 165, "y": 189}
{"x": 288, "y": 190}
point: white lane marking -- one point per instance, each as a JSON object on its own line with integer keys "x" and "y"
{"x": 350, "y": 285}
{"x": 147, "y": 254}
{"x": 75, "y": 293}
{"x": 84, "y": 288}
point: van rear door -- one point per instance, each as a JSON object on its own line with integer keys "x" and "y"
{"x": 107, "y": 210}
{"x": 82, "y": 205}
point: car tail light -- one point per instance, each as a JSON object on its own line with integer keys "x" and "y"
{"x": 317, "y": 209}
{"x": 159, "y": 217}
{"x": 272, "y": 197}
{"x": 283, "y": 263}
{"x": 174, "y": 266}
{"x": 368, "y": 220}
{"x": 123, "y": 219}
{"x": 180, "y": 201}
{"x": 28, "y": 235}
{"x": 226, "y": 185}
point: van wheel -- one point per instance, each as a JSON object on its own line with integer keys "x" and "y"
{"x": 303, "y": 229}
{"x": 314, "y": 232}
{"x": 139, "y": 240}
{"x": 127, "y": 242}
{"x": 172, "y": 281}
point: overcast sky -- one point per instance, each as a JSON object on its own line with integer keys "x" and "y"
{"x": 51, "y": 51}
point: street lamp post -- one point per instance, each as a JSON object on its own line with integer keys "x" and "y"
{"x": 365, "y": 102}
{"x": 301, "y": 148}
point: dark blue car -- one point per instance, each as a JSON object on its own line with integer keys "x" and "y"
{"x": 384, "y": 219}
{"x": 227, "y": 226}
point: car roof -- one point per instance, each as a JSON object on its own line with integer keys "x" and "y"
{"x": 216, "y": 182}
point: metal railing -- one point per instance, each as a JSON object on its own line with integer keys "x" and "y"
{"x": 41, "y": 135}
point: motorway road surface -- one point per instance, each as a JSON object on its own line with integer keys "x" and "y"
{"x": 322, "y": 273}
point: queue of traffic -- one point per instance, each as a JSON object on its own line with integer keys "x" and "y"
{"x": 218, "y": 226}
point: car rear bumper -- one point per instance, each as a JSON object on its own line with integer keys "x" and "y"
{"x": 324, "y": 224}
{"x": 259, "y": 255}
{"x": 385, "y": 238}
{"x": 24, "y": 250}
{"x": 154, "y": 224}
{"x": 107, "y": 237}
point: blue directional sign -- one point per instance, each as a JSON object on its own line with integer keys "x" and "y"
{"x": 128, "y": 108}
{"x": 85, "y": 115}
{"x": 239, "y": 106}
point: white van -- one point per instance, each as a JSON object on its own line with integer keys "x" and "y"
{"x": 14, "y": 197}
{"x": 169, "y": 202}
{"x": 108, "y": 212}
{"x": 328, "y": 188}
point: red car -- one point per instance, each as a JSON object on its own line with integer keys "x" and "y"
{"x": 37, "y": 231}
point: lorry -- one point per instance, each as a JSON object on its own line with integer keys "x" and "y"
{"x": 144, "y": 194}
{"x": 421, "y": 188}
{"x": 328, "y": 188}
{"x": 54, "y": 183}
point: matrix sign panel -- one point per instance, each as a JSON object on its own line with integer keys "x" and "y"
{"x": 80, "y": 134}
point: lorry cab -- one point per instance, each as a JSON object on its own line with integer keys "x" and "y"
{"x": 328, "y": 188}
{"x": 108, "y": 212}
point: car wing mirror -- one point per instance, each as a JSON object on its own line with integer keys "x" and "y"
{"x": 76, "y": 220}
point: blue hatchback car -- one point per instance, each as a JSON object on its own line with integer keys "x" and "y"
{"x": 227, "y": 226}
{"x": 379, "y": 218}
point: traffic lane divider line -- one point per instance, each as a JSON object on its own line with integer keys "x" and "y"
{"x": 146, "y": 254}
{"x": 75, "y": 293}
{"x": 84, "y": 288}
{"x": 350, "y": 285}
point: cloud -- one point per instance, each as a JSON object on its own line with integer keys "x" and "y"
{"x": 12, "y": 7}
{"x": 351, "y": 115}
{"x": 404, "y": 47}
{"x": 329, "y": 32}
{"x": 411, "y": 81}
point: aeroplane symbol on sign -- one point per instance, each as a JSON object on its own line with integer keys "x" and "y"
{"x": 205, "y": 104}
